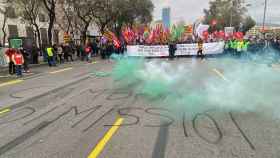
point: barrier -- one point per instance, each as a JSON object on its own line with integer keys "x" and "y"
{"x": 182, "y": 50}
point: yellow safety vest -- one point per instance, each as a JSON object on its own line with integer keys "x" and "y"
{"x": 50, "y": 52}
{"x": 239, "y": 46}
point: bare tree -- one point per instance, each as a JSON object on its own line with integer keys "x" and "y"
{"x": 29, "y": 11}
{"x": 83, "y": 10}
{"x": 50, "y": 6}
{"x": 110, "y": 14}
{"x": 66, "y": 19}
{"x": 104, "y": 14}
{"x": 4, "y": 11}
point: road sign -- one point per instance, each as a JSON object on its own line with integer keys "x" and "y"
{"x": 66, "y": 38}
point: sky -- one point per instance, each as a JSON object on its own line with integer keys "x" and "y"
{"x": 190, "y": 10}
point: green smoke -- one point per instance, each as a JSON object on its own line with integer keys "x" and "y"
{"x": 195, "y": 88}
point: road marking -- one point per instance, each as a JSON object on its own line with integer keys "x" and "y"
{"x": 220, "y": 74}
{"x": 10, "y": 83}
{"x": 3, "y": 111}
{"x": 62, "y": 70}
{"x": 102, "y": 143}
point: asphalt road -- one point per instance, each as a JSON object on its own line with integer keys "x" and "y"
{"x": 65, "y": 112}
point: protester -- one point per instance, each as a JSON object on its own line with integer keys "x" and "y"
{"x": 94, "y": 48}
{"x": 55, "y": 52}
{"x": 65, "y": 53}
{"x": 9, "y": 53}
{"x": 172, "y": 50}
{"x": 78, "y": 48}
{"x": 239, "y": 46}
{"x": 123, "y": 48}
{"x": 103, "y": 50}
{"x": 50, "y": 53}
{"x": 88, "y": 51}
{"x": 72, "y": 51}
{"x": 82, "y": 51}
{"x": 18, "y": 60}
{"x": 60, "y": 54}
{"x": 68, "y": 52}
{"x": 26, "y": 57}
{"x": 35, "y": 54}
{"x": 200, "y": 49}
{"x": 109, "y": 50}
{"x": 246, "y": 45}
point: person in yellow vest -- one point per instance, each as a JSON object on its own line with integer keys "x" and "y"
{"x": 240, "y": 44}
{"x": 50, "y": 53}
{"x": 246, "y": 45}
{"x": 200, "y": 49}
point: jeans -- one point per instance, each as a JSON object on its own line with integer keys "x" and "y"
{"x": 11, "y": 68}
{"x": 18, "y": 70}
{"x": 88, "y": 57}
{"x": 51, "y": 61}
{"x": 26, "y": 64}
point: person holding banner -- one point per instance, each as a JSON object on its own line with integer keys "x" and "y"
{"x": 172, "y": 50}
{"x": 200, "y": 49}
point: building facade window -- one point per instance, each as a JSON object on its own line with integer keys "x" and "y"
{"x": 30, "y": 33}
{"x": 11, "y": 12}
{"x": 13, "y": 31}
{"x": 42, "y": 18}
{"x": 44, "y": 36}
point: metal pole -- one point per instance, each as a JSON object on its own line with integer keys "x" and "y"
{"x": 231, "y": 12}
{"x": 264, "y": 14}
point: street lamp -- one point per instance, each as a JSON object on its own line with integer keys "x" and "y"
{"x": 231, "y": 12}
{"x": 264, "y": 14}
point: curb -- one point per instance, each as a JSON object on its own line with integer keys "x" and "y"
{"x": 5, "y": 69}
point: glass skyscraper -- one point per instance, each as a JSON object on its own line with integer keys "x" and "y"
{"x": 166, "y": 17}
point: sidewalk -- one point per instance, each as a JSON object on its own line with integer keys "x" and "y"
{"x": 5, "y": 69}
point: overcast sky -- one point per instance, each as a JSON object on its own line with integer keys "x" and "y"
{"x": 190, "y": 10}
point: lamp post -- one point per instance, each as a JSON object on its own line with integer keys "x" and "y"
{"x": 231, "y": 12}
{"x": 264, "y": 14}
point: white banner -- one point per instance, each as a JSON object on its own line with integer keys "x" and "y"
{"x": 148, "y": 51}
{"x": 208, "y": 48}
{"x": 182, "y": 49}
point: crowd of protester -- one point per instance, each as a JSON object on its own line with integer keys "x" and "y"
{"x": 68, "y": 52}
{"x": 59, "y": 54}
{"x": 276, "y": 43}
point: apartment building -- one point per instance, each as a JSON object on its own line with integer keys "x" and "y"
{"x": 269, "y": 29}
{"x": 16, "y": 27}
